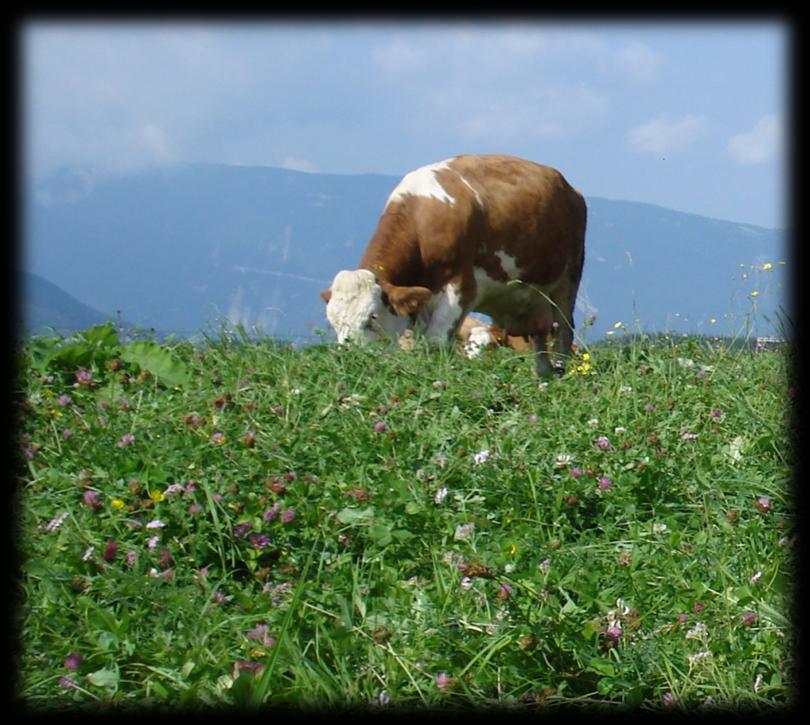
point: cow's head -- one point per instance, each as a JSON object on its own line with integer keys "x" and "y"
{"x": 360, "y": 307}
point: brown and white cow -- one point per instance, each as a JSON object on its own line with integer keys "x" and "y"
{"x": 495, "y": 234}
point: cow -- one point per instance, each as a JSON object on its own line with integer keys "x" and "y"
{"x": 495, "y": 234}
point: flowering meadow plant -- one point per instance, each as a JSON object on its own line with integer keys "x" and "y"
{"x": 371, "y": 528}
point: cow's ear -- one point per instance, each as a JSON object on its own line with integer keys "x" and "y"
{"x": 408, "y": 300}
{"x": 326, "y": 295}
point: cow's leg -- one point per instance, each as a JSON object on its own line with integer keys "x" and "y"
{"x": 447, "y": 311}
{"x": 563, "y": 327}
{"x": 540, "y": 340}
{"x": 542, "y": 359}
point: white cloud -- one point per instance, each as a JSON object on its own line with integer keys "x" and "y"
{"x": 761, "y": 144}
{"x": 665, "y": 135}
{"x": 294, "y": 164}
{"x": 639, "y": 62}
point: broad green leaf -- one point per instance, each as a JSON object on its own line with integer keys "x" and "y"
{"x": 158, "y": 360}
{"x": 602, "y": 666}
{"x": 104, "y": 678}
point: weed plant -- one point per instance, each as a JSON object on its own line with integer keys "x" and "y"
{"x": 244, "y": 523}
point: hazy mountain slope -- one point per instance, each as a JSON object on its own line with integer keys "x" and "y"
{"x": 182, "y": 247}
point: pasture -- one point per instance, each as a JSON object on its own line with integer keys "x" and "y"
{"x": 242, "y": 523}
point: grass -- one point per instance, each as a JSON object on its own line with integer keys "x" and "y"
{"x": 259, "y": 525}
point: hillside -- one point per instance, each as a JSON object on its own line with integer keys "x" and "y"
{"x": 44, "y": 305}
{"x": 182, "y": 248}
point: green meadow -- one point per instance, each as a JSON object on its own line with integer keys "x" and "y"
{"x": 243, "y": 523}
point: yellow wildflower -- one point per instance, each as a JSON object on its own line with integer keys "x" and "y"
{"x": 156, "y": 496}
{"x": 617, "y": 325}
{"x": 767, "y": 265}
{"x": 586, "y": 356}
{"x": 609, "y": 332}
{"x": 755, "y": 294}
{"x": 117, "y": 503}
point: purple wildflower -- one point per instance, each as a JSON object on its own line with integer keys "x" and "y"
{"x": 748, "y": 619}
{"x": 649, "y": 408}
{"x": 84, "y": 376}
{"x": 173, "y": 488}
{"x": 379, "y": 426}
{"x": 689, "y": 436}
{"x": 260, "y": 634}
{"x": 240, "y": 530}
{"x": 125, "y": 440}
{"x": 67, "y": 683}
{"x": 444, "y": 682}
{"x": 67, "y": 434}
{"x": 218, "y": 438}
{"x": 110, "y": 550}
{"x": 91, "y": 500}
{"x": 246, "y": 666}
{"x": 153, "y": 542}
{"x": 272, "y": 513}
{"x": 604, "y": 483}
{"x": 614, "y": 632}
{"x": 576, "y": 472}
{"x": 683, "y": 618}
{"x": 603, "y": 443}
{"x": 287, "y": 516}
{"x": 73, "y": 661}
{"x": 259, "y": 541}
{"x": 195, "y": 508}
{"x": 64, "y": 400}
{"x": 698, "y": 608}
{"x": 505, "y": 590}
{"x": 132, "y": 557}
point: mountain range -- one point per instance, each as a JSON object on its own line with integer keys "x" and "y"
{"x": 187, "y": 248}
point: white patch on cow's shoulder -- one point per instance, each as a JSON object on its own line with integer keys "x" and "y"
{"x": 445, "y": 310}
{"x": 480, "y": 337}
{"x": 423, "y": 182}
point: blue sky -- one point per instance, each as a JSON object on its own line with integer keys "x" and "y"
{"x": 687, "y": 115}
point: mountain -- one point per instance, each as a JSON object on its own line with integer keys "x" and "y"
{"x": 44, "y": 306}
{"x": 185, "y": 247}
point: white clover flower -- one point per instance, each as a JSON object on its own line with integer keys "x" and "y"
{"x": 440, "y": 495}
{"x": 481, "y": 457}
{"x": 699, "y": 631}
{"x": 464, "y": 532}
{"x": 563, "y": 460}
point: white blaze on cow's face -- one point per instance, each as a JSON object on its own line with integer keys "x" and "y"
{"x": 356, "y": 310}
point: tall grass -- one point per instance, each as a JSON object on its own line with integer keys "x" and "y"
{"x": 377, "y": 528}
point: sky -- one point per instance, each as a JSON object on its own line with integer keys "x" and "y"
{"x": 689, "y": 115}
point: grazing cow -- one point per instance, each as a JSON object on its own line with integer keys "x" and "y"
{"x": 494, "y": 234}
